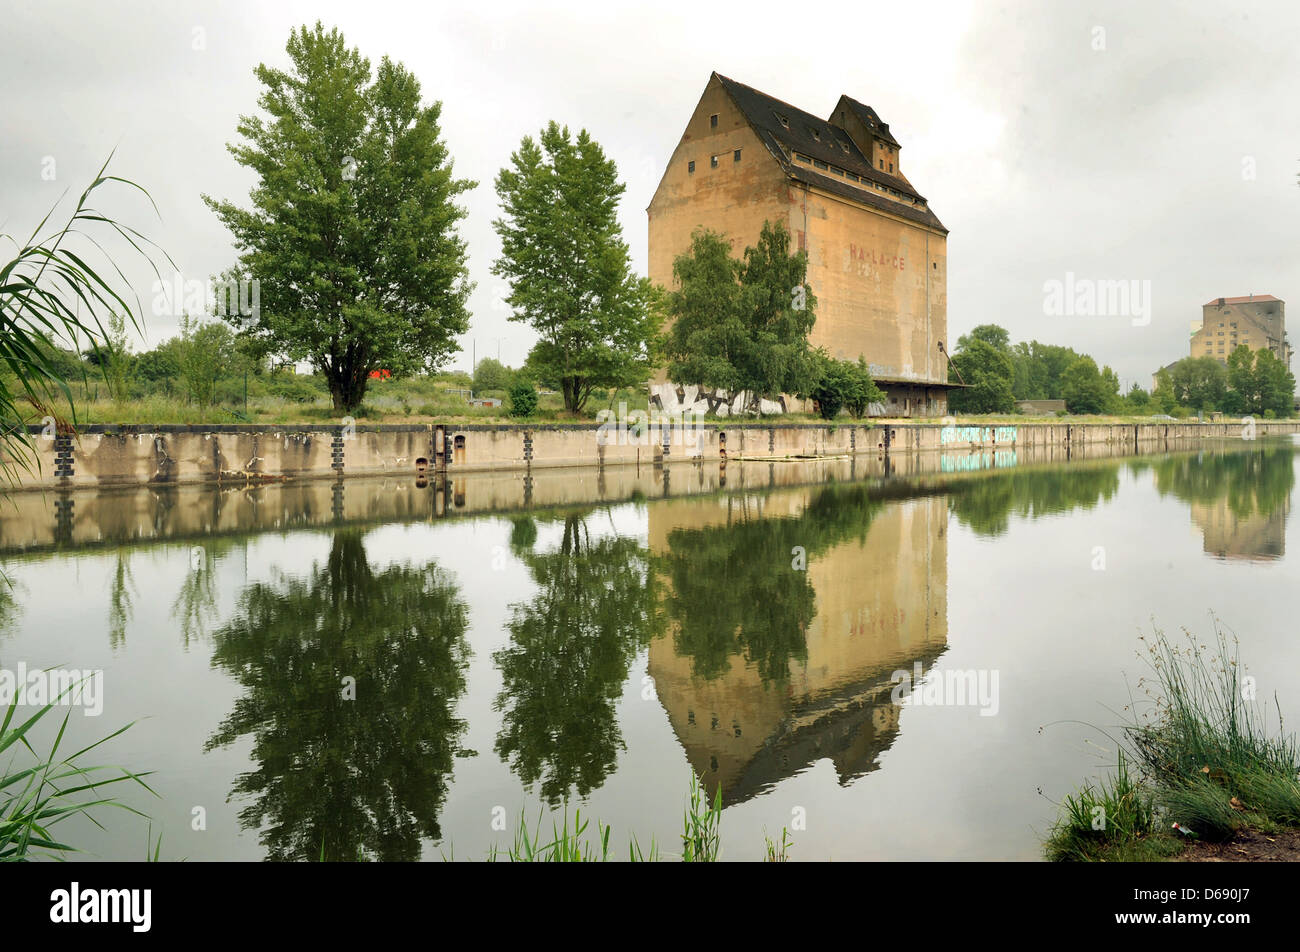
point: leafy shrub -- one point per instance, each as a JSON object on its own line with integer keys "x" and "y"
{"x": 296, "y": 389}
{"x": 523, "y": 399}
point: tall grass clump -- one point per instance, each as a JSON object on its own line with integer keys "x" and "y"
{"x": 701, "y": 840}
{"x": 40, "y": 791}
{"x": 1210, "y": 758}
{"x": 566, "y": 845}
{"x": 701, "y": 825}
{"x": 1208, "y": 745}
{"x": 1115, "y": 814}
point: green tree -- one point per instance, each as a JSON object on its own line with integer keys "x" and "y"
{"x": 117, "y": 363}
{"x": 742, "y": 324}
{"x": 523, "y": 398}
{"x": 1242, "y": 395}
{"x": 844, "y": 384}
{"x": 1274, "y": 385}
{"x": 988, "y": 374}
{"x": 352, "y": 231}
{"x": 570, "y": 273}
{"x": 491, "y": 374}
{"x": 206, "y": 354}
{"x": 162, "y": 365}
{"x": 1086, "y": 389}
{"x": 993, "y": 335}
{"x": 861, "y": 390}
{"x": 1200, "y": 383}
{"x": 1137, "y": 400}
{"x": 1039, "y": 370}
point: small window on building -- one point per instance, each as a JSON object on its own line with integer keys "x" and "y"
{"x": 713, "y": 161}
{"x": 819, "y": 164}
{"x": 837, "y": 171}
{"x": 713, "y": 121}
{"x": 891, "y": 166}
{"x": 801, "y": 157}
{"x": 816, "y": 135}
{"x": 882, "y": 165}
{"x": 782, "y": 119}
{"x": 735, "y": 156}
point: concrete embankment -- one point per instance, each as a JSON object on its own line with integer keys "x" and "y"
{"x": 198, "y": 513}
{"x": 111, "y": 455}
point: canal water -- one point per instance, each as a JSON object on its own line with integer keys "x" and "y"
{"x": 889, "y": 665}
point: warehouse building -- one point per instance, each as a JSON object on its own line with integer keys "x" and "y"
{"x": 877, "y": 253}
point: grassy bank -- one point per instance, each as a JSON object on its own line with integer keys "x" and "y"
{"x": 1201, "y": 765}
{"x": 283, "y": 398}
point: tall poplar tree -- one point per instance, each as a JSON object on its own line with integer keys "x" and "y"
{"x": 352, "y": 231}
{"x": 570, "y": 274}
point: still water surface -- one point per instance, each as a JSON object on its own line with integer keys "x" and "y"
{"x": 600, "y": 652}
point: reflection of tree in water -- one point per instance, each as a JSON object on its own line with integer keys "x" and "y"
{"x": 523, "y": 534}
{"x": 120, "y": 610}
{"x": 1253, "y": 482}
{"x": 986, "y": 503}
{"x": 195, "y": 606}
{"x": 346, "y": 777}
{"x": 10, "y": 608}
{"x": 734, "y": 588}
{"x": 570, "y": 650}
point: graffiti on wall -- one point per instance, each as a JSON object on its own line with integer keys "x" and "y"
{"x": 973, "y": 461}
{"x": 977, "y": 434}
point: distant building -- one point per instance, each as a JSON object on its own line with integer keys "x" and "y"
{"x": 877, "y": 254}
{"x": 1256, "y": 320}
{"x": 1041, "y": 407}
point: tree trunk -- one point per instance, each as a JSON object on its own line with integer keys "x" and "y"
{"x": 347, "y": 387}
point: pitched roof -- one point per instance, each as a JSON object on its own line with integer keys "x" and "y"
{"x": 1248, "y": 299}
{"x": 871, "y": 120}
{"x": 786, "y": 129}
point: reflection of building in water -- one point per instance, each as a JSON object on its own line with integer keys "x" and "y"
{"x": 1257, "y": 537}
{"x": 880, "y": 605}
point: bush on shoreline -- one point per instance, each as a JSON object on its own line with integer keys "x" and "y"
{"x": 1207, "y": 764}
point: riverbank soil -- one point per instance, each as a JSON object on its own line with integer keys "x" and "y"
{"x": 1247, "y": 846}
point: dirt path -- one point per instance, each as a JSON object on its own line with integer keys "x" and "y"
{"x": 1247, "y": 846}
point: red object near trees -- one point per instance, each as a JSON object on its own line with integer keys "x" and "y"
{"x": 381, "y": 375}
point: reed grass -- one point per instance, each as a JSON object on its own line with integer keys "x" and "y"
{"x": 1210, "y": 760}
{"x": 571, "y": 842}
{"x": 51, "y": 789}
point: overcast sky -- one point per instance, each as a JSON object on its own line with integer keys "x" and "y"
{"x": 1117, "y": 141}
